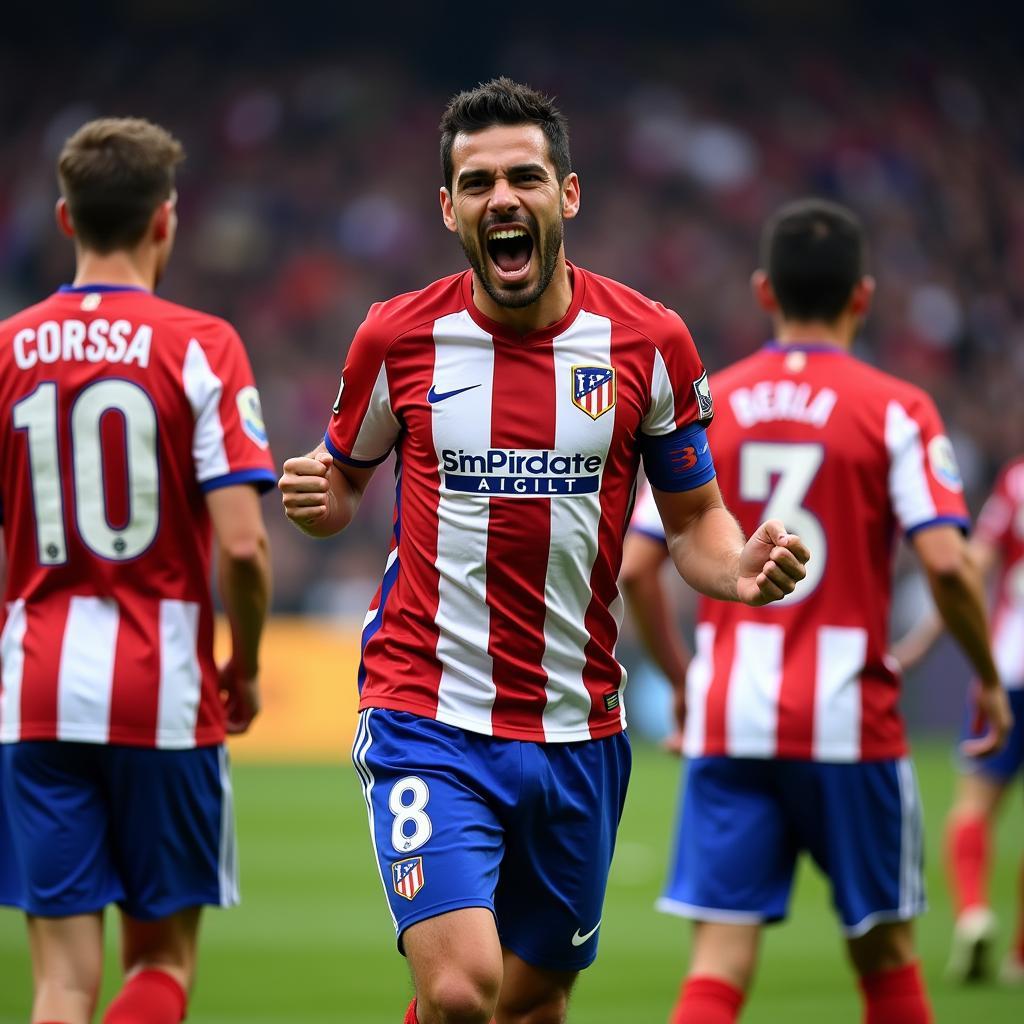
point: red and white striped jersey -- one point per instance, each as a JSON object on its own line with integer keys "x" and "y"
{"x": 1001, "y": 524}
{"x": 847, "y": 457}
{"x": 118, "y": 410}
{"x": 517, "y": 457}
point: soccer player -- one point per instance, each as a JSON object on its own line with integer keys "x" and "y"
{"x": 997, "y": 541}
{"x": 520, "y": 396}
{"x": 128, "y": 426}
{"x": 792, "y": 726}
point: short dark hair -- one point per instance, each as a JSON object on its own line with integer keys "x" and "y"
{"x": 499, "y": 102}
{"x": 114, "y": 172}
{"x": 814, "y": 253}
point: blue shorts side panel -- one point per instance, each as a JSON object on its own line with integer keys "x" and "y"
{"x": 745, "y": 822}
{"x": 525, "y": 830}
{"x": 151, "y": 830}
{"x": 1000, "y": 767}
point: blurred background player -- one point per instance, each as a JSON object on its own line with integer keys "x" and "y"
{"x": 520, "y": 396}
{"x": 128, "y": 425}
{"x": 791, "y": 722}
{"x": 998, "y": 541}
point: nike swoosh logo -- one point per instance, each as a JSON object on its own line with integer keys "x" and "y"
{"x": 578, "y": 940}
{"x": 434, "y": 396}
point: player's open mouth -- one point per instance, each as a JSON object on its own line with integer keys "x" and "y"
{"x": 510, "y": 248}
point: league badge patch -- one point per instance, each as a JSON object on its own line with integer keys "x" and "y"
{"x": 407, "y": 876}
{"x": 251, "y": 415}
{"x": 705, "y": 403}
{"x": 593, "y": 389}
{"x": 942, "y": 460}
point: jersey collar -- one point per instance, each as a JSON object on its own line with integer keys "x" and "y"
{"x": 77, "y": 289}
{"x": 825, "y": 347}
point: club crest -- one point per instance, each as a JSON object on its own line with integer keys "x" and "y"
{"x": 407, "y": 876}
{"x": 593, "y": 389}
{"x": 705, "y": 403}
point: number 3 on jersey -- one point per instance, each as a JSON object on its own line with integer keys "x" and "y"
{"x": 409, "y": 812}
{"x": 36, "y": 414}
{"x": 795, "y": 466}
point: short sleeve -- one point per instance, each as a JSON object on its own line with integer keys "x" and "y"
{"x": 925, "y": 487}
{"x": 996, "y": 515}
{"x": 229, "y": 437}
{"x": 364, "y": 428}
{"x": 646, "y": 518}
{"x": 680, "y": 394}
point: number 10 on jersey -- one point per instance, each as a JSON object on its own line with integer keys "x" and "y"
{"x": 36, "y": 414}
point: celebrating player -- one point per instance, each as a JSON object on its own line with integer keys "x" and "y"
{"x": 520, "y": 396}
{"x": 998, "y": 540}
{"x": 792, "y": 724}
{"x": 128, "y": 425}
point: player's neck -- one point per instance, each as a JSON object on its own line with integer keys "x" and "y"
{"x": 552, "y": 305}
{"x": 839, "y": 334}
{"x": 120, "y": 267}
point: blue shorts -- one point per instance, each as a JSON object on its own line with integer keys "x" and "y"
{"x": 459, "y": 819}
{"x": 151, "y": 830}
{"x": 745, "y": 822}
{"x": 1002, "y": 766}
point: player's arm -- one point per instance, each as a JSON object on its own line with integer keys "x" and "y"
{"x": 320, "y": 494}
{"x": 955, "y": 579}
{"x": 912, "y": 647}
{"x": 244, "y": 581}
{"x": 643, "y": 557}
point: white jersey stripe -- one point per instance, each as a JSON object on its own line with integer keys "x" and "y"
{"x": 837, "y": 696}
{"x": 228, "y": 863}
{"x": 1008, "y": 645}
{"x": 698, "y": 680}
{"x": 464, "y": 358}
{"x": 86, "y": 676}
{"x": 574, "y": 532}
{"x": 180, "y": 676}
{"x": 204, "y": 388}
{"x": 661, "y": 417}
{"x": 752, "y": 702}
{"x": 12, "y": 659}
{"x": 379, "y": 425}
{"x": 908, "y": 484}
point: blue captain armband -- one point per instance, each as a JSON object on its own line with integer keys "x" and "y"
{"x": 679, "y": 461}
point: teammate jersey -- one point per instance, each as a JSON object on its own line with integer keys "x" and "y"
{"x": 517, "y": 456}
{"x": 118, "y": 410}
{"x": 1001, "y": 524}
{"x": 846, "y": 456}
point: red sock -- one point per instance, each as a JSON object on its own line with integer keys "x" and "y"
{"x": 705, "y": 1000}
{"x": 967, "y": 852}
{"x": 896, "y": 997}
{"x": 410, "y": 1014}
{"x": 150, "y": 997}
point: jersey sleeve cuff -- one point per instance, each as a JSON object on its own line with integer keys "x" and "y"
{"x": 348, "y": 460}
{"x": 960, "y": 521}
{"x": 649, "y": 531}
{"x": 263, "y": 479}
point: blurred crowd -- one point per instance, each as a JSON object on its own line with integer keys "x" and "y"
{"x": 310, "y": 191}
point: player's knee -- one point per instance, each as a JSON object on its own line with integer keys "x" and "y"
{"x": 885, "y": 948}
{"x": 459, "y": 997}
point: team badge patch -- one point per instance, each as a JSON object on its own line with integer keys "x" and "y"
{"x": 705, "y": 403}
{"x": 337, "y": 402}
{"x": 251, "y": 415}
{"x": 407, "y": 876}
{"x": 942, "y": 460}
{"x": 593, "y": 389}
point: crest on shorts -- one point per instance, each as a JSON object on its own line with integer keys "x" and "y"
{"x": 593, "y": 389}
{"x": 407, "y": 876}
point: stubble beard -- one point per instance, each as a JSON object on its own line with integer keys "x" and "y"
{"x": 549, "y": 244}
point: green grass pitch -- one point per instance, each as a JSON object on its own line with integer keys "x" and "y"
{"x": 312, "y": 942}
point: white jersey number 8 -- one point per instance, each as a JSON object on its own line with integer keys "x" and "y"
{"x": 411, "y": 811}
{"x": 36, "y": 414}
{"x": 795, "y": 466}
